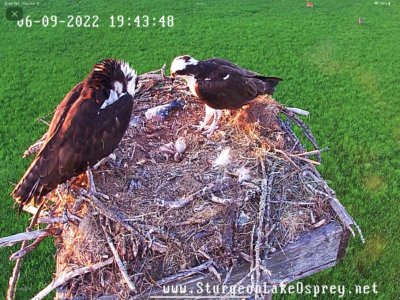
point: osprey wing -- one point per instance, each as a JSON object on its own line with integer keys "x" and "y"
{"x": 227, "y": 63}
{"x": 226, "y": 88}
{"x": 82, "y": 134}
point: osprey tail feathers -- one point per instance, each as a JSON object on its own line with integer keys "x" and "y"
{"x": 269, "y": 84}
{"x": 29, "y": 186}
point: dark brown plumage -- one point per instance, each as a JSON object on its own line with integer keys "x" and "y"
{"x": 221, "y": 84}
{"x": 87, "y": 126}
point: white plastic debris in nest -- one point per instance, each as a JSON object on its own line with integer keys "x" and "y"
{"x": 224, "y": 158}
{"x": 161, "y": 112}
{"x": 243, "y": 174}
{"x": 136, "y": 121}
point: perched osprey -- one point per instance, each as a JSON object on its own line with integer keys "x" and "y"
{"x": 86, "y": 127}
{"x": 221, "y": 84}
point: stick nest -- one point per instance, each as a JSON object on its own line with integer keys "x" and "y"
{"x": 192, "y": 205}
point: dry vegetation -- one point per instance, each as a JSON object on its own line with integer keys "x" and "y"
{"x": 170, "y": 199}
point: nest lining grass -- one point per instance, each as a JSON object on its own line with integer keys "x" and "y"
{"x": 221, "y": 193}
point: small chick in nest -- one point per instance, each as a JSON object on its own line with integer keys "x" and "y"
{"x": 176, "y": 150}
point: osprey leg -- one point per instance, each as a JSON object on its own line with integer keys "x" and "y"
{"x": 213, "y": 126}
{"x": 207, "y": 118}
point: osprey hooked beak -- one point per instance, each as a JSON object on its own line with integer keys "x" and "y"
{"x": 172, "y": 77}
{"x": 179, "y": 65}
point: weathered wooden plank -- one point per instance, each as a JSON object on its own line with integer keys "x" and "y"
{"x": 313, "y": 249}
{"x": 313, "y": 252}
{"x": 61, "y": 291}
{"x": 344, "y": 243}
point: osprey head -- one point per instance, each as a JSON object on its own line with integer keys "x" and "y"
{"x": 115, "y": 75}
{"x": 130, "y": 78}
{"x": 183, "y": 65}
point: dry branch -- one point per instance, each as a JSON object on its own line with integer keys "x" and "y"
{"x": 334, "y": 202}
{"x": 26, "y": 236}
{"x": 266, "y": 188}
{"x": 21, "y": 253}
{"x": 184, "y": 201}
{"x": 12, "y": 283}
{"x": 66, "y": 277}
{"x": 96, "y": 203}
{"x": 220, "y": 200}
{"x": 43, "y": 121}
{"x": 298, "y": 111}
{"x": 56, "y": 220}
{"x": 304, "y": 128}
{"x": 121, "y": 266}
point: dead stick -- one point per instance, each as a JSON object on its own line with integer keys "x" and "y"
{"x": 43, "y": 121}
{"x": 228, "y": 275}
{"x": 233, "y": 288}
{"x": 54, "y": 220}
{"x": 21, "y": 253}
{"x": 310, "y": 152}
{"x": 288, "y": 158}
{"x": 246, "y": 257}
{"x": 261, "y": 213}
{"x": 50, "y": 113}
{"x": 307, "y": 160}
{"x": 220, "y": 200}
{"x": 64, "y": 278}
{"x": 266, "y": 188}
{"x": 184, "y": 201}
{"x": 298, "y": 111}
{"x": 26, "y": 236}
{"x": 252, "y": 253}
{"x": 153, "y": 76}
{"x": 121, "y": 266}
{"x": 12, "y": 283}
{"x": 304, "y": 128}
{"x": 96, "y": 203}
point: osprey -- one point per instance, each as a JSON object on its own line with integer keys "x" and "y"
{"x": 221, "y": 84}
{"x": 86, "y": 127}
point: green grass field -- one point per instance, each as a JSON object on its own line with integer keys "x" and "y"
{"x": 345, "y": 73}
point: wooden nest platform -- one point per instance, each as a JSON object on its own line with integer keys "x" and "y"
{"x": 172, "y": 207}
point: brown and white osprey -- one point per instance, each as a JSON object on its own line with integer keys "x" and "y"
{"x": 221, "y": 84}
{"x": 86, "y": 127}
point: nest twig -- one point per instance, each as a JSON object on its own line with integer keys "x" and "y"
{"x": 68, "y": 276}
{"x": 118, "y": 260}
{"x": 15, "y": 275}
